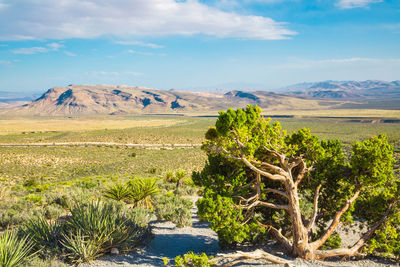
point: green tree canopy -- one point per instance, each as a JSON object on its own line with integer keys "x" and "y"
{"x": 262, "y": 183}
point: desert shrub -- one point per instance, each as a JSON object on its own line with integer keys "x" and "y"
{"x": 14, "y": 251}
{"x": 169, "y": 176}
{"x": 140, "y": 216}
{"x": 193, "y": 260}
{"x": 52, "y": 212}
{"x": 175, "y": 209}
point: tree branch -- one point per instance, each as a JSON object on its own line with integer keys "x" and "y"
{"x": 315, "y": 210}
{"x": 269, "y": 166}
{"x": 264, "y": 204}
{"x": 278, "y": 236}
{"x": 359, "y": 244}
{"x": 270, "y": 190}
{"x": 319, "y": 242}
{"x": 274, "y": 177}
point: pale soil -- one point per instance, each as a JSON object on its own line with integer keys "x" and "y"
{"x": 170, "y": 242}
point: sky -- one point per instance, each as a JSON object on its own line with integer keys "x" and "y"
{"x": 200, "y": 45}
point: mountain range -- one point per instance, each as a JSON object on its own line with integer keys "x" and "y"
{"x": 118, "y": 99}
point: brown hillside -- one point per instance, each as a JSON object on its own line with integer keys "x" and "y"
{"x": 106, "y": 99}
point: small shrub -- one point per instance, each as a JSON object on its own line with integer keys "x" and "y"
{"x": 174, "y": 209}
{"x": 13, "y": 250}
{"x": 169, "y": 176}
{"x": 193, "y": 260}
{"x": 140, "y": 216}
{"x": 52, "y": 212}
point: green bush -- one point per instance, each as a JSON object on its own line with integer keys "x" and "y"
{"x": 13, "y": 250}
{"x": 175, "y": 209}
{"x": 193, "y": 260}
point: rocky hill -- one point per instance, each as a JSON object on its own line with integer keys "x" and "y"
{"x": 106, "y": 99}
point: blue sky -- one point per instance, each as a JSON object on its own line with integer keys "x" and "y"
{"x": 196, "y": 44}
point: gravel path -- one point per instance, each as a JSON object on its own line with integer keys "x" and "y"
{"x": 170, "y": 242}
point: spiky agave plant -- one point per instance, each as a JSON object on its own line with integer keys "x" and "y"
{"x": 14, "y": 251}
{"x": 119, "y": 192}
{"x": 141, "y": 191}
{"x": 81, "y": 248}
{"x": 44, "y": 234}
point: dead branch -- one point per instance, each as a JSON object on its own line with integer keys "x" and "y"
{"x": 323, "y": 254}
{"x": 315, "y": 210}
{"x": 278, "y": 235}
{"x": 241, "y": 256}
{"x": 335, "y": 222}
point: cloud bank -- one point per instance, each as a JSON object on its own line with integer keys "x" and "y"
{"x": 346, "y": 4}
{"x": 64, "y": 19}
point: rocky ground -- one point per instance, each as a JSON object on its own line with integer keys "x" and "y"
{"x": 170, "y": 241}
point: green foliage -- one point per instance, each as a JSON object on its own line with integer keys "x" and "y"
{"x": 119, "y": 192}
{"x": 175, "y": 209}
{"x": 81, "y": 248}
{"x": 105, "y": 224}
{"x": 141, "y": 189}
{"x": 193, "y": 260}
{"x": 227, "y": 181}
{"x": 44, "y": 234}
{"x": 13, "y": 250}
{"x": 137, "y": 191}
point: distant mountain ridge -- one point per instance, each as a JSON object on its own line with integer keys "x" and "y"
{"x": 349, "y": 90}
{"x": 119, "y": 99}
{"x": 108, "y": 99}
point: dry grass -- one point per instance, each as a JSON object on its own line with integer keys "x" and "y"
{"x": 18, "y": 125}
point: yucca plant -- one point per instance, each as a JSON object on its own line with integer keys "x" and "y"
{"x": 119, "y": 192}
{"x": 44, "y": 234}
{"x": 14, "y": 251}
{"x": 80, "y": 248}
{"x": 141, "y": 191}
{"x": 101, "y": 224}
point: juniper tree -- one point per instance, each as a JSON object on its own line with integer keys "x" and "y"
{"x": 261, "y": 182}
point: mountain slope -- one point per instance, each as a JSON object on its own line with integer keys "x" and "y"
{"x": 354, "y": 90}
{"x": 106, "y": 99}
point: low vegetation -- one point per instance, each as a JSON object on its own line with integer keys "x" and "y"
{"x": 61, "y": 203}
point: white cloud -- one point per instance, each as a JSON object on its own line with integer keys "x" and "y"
{"x": 298, "y": 63}
{"x": 5, "y": 62}
{"x": 70, "y": 54}
{"x": 131, "y": 51}
{"x": 38, "y": 49}
{"x": 346, "y": 4}
{"x": 139, "y": 43}
{"x": 64, "y": 19}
